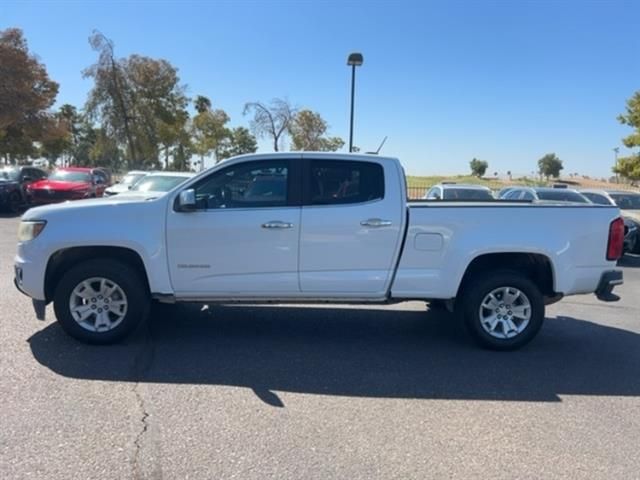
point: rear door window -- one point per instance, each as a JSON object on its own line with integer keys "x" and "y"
{"x": 334, "y": 182}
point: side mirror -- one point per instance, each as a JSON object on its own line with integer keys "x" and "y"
{"x": 187, "y": 200}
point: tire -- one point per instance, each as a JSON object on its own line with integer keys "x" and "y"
{"x": 110, "y": 299}
{"x": 14, "y": 202}
{"x": 523, "y": 296}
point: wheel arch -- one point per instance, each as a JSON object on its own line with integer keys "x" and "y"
{"x": 536, "y": 266}
{"x": 64, "y": 259}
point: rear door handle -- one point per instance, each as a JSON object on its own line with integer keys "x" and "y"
{"x": 277, "y": 224}
{"x": 375, "y": 223}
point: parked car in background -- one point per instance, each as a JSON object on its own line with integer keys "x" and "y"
{"x": 629, "y": 204}
{"x": 13, "y": 184}
{"x": 71, "y": 183}
{"x": 104, "y": 173}
{"x": 126, "y": 183}
{"x": 159, "y": 182}
{"x": 503, "y": 191}
{"x": 458, "y": 191}
{"x": 537, "y": 194}
{"x": 42, "y": 163}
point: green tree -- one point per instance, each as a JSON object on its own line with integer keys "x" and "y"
{"x": 307, "y": 130}
{"x": 478, "y": 167}
{"x": 629, "y": 167}
{"x": 239, "y": 142}
{"x": 138, "y": 101}
{"x": 550, "y": 166}
{"x": 208, "y": 133}
{"x": 26, "y": 93}
{"x": 172, "y": 132}
{"x": 270, "y": 121}
{"x": 110, "y": 100}
{"x": 202, "y": 104}
{"x": 56, "y": 139}
{"x": 104, "y": 151}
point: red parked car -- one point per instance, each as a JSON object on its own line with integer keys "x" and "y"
{"x": 72, "y": 183}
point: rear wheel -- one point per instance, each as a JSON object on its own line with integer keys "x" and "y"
{"x": 100, "y": 301}
{"x": 503, "y": 310}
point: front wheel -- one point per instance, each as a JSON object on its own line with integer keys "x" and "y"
{"x": 100, "y": 301}
{"x": 502, "y": 310}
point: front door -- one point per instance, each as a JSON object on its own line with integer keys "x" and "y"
{"x": 242, "y": 240}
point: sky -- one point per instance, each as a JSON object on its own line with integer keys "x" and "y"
{"x": 502, "y": 81}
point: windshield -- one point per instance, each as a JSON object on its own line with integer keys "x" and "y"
{"x": 627, "y": 201}
{"x": 466, "y": 194}
{"x": 560, "y": 195}
{"x": 158, "y": 183}
{"x": 9, "y": 174}
{"x": 70, "y": 176}
{"x": 132, "y": 178}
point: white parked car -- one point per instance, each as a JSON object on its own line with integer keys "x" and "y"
{"x": 159, "y": 182}
{"x": 125, "y": 184}
{"x": 629, "y": 204}
{"x": 313, "y": 227}
{"x": 545, "y": 194}
{"x": 458, "y": 191}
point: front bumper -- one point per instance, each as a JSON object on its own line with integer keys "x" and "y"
{"x": 608, "y": 281}
{"x": 39, "y": 306}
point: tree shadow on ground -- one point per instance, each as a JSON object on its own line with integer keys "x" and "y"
{"x": 352, "y": 352}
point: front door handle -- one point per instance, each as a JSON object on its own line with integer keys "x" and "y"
{"x": 375, "y": 223}
{"x": 277, "y": 224}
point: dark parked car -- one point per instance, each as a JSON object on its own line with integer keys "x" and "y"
{"x": 13, "y": 184}
{"x": 629, "y": 204}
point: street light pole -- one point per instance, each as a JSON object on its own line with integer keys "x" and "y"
{"x": 615, "y": 154}
{"x": 354, "y": 60}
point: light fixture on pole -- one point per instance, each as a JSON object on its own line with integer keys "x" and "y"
{"x": 354, "y": 60}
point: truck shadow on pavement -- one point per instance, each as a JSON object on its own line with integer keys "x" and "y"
{"x": 351, "y": 352}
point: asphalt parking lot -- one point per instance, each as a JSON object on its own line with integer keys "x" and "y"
{"x": 320, "y": 392}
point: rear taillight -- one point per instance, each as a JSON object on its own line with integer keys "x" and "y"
{"x": 616, "y": 239}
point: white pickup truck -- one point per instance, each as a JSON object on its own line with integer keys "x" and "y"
{"x": 313, "y": 227}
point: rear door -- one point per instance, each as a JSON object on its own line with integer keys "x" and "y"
{"x": 351, "y": 226}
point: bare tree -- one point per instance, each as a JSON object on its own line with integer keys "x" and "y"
{"x": 110, "y": 82}
{"x": 270, "y": 120}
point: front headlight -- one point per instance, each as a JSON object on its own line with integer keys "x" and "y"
{"x": 28, "y": 230}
